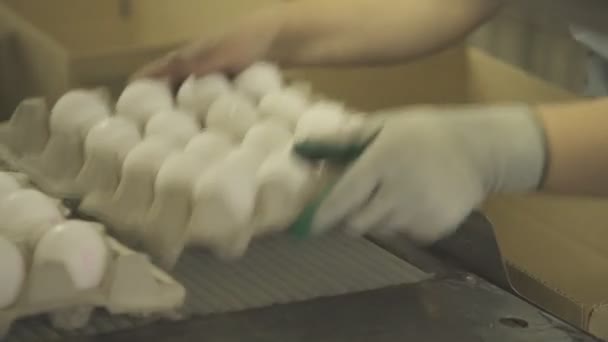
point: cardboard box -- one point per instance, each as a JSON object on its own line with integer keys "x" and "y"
{"x": 555, "y": 248}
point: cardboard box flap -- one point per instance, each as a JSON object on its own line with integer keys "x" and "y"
{"x": 545, "y": 296}
{"x": 598, "y": 321}
{"x": 558, "y": 242}
{"x": 592, "y": 318}
{"x": 492, "y": 80}
{"x": 454, "y": 76}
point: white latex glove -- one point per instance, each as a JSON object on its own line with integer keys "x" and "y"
{"x": 428, "y": 168}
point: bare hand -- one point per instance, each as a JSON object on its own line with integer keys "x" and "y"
{"x": 229, "y": 51}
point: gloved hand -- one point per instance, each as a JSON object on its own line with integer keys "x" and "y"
{"x": 228, "y": 51}
{"x": 425, "y": 169}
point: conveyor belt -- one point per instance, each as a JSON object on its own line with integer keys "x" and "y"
{"x": 275, "y": 270}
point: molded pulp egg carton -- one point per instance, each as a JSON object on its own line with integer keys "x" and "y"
{"x": 66, "y": 268}
{"x": 210, "y": 167}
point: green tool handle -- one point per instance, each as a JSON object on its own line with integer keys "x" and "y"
{"x": 334, "y": 153}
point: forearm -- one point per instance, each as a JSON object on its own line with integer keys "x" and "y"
{"x": 577, "y": 138}
{"x": 325, "y": 32}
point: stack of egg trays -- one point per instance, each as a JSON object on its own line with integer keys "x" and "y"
{"x": 128, "y": 283}
{"x": 153, "y": 205}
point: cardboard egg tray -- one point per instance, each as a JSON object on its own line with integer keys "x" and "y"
{"x": 135, "y": 293}
{"x": 214, "y": 162}
{"x": 153, "y": 168}
{"x": 130, "y": 285}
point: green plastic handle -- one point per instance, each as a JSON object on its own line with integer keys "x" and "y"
{"x": 303, "y": 224}
{"x": 312, "y": 150}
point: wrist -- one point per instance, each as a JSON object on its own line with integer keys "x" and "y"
{"x": 511, "y": 148}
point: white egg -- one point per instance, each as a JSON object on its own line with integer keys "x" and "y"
{"x": 322, "y": 120}
{"x": 80, "y": 247}
{"x": 284, "y": 181}
{"x": 8, "y": 184}
{"x": 197, "y": 93}
{"x": 232, "y": 114}
{"x": 176, "y": 126}
{"x": 286, "y": 104}
{"x": 106, "y": 147}
{"x": 259, "y": 79}
{"x": 12, "y": 269}
{"x": 224, "y": 202}
{"x": 135, "y": 192}
{"x": 27, "y": 214}
{"x": 267, "y": 136}
{"x": 143, "y": 98}
{"x": 209, "y": 144}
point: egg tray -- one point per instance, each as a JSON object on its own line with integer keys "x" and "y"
{"x": 167, "y": 173}
{"x": 276, "y": 270}
{"x": 131, "y": 285}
